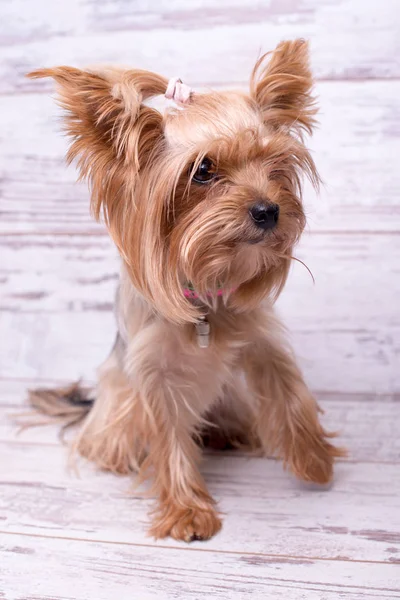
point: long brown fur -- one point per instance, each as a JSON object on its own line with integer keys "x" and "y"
{"x": 159, "y": 393}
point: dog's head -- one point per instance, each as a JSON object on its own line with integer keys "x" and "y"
{"x": 207, "y": 193}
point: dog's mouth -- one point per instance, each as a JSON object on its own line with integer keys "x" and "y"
{"x": 269, "y": 238}
{"x": 256, "y": 240}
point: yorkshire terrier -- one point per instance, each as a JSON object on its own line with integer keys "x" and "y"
{"x": 204, "y": 205}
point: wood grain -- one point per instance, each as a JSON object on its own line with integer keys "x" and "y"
{"x": 169, "y": 37}
{"x": 264, "y": 508}
{"x": 58, "y": 316}
{"x": 367, "y": 424}
{"x": 355, "y": 148}
{"x": 32, "y": 568}
{"x": 68, "y": 347}
{"x": 69, "y": 538}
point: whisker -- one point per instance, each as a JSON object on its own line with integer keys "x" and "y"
{"x": 304, "y": 265}
{"x": 299, "y": 261}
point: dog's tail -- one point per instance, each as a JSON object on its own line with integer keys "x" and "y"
{"x": 67, "y": 405}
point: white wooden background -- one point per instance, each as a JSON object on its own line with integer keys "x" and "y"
{"x": 68, "y": 538}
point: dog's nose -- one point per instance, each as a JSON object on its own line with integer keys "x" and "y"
{"x": 265, "y": 216}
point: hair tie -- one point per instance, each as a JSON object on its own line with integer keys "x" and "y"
{"x": 177, "y": 91}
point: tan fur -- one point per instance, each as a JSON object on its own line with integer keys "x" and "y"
{"x": 159, "y": 393}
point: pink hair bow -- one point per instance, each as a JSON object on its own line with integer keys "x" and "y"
{"x": 177, "y": 91}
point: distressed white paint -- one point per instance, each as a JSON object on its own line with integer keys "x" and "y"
{"x": 345, "y": 328}
{"x": 367, "y": 424}
{"x": 63, "y": 537}
{"x": 355, "y": 148}
{"x": 103, "y": 571}
{"x": 266, "y": 511}
{"x": 202, "y": 42}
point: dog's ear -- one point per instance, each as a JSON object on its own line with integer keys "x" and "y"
{"x": 281, "y": 85}
{"x": 113, "y": 133}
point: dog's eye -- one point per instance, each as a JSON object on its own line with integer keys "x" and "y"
{"x": 205, "y": 172}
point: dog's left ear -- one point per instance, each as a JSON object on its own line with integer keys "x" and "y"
{"x": 281, "y": 87}
{"x": 112, "y": 132}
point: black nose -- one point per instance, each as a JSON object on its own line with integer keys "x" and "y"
{"x": 265, "y": 216}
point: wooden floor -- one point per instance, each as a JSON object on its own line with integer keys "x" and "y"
{"x": 65, "y": 536}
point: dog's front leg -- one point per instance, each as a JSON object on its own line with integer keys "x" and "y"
{"x": 287, "y": 420}
{"x": 184, "y": 510}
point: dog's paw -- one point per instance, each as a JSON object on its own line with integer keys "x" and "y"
{"x": 187, "y": 524}
{"x": 312, "y": 459}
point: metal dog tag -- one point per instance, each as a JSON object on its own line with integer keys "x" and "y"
{"x": 203, "y": 332}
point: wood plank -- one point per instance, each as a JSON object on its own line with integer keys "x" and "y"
{"x": 74, "y": 273}
{"x": 68, "y": 347}
{"x": 83, "y": 32}
{"x": 265, "y": 510}
{"x": 68, "y": 538}
{"x": 355, "y": 148}
{"x": 60, "y": 569}
{"x": 65, "y": 300}
{"x": 367, "y": 424}
{"x": 80, "y": 273}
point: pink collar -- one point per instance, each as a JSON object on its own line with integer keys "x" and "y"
{"x": 192, "y": 295}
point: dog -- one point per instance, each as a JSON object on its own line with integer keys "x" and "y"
{"x": 204, "y": 204}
